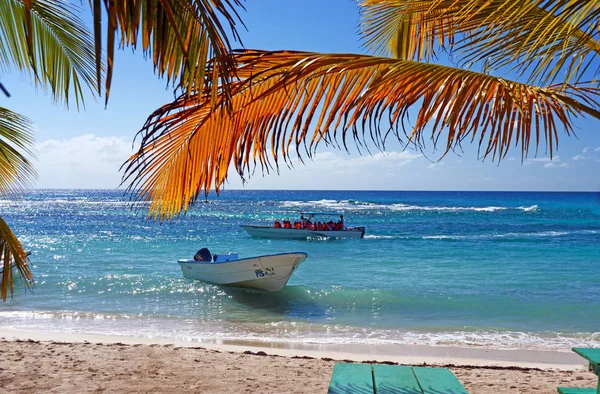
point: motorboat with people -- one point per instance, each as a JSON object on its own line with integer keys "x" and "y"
{"x": 268, "y": 272}
{"x": 310, "y": 225}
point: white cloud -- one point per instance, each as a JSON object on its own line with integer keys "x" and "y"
{"x": 93, "y": 162}
{"x": 586, "y": 149}
{"x": 544, "y": 159}
{"x": 554, "y": 165}
{"x": 436, "y": 164}
{"x": 86, "y": 161}
{"x": 580, "y": 157}
{"x": 597, "y": 149}
{"x": 337, "y": 170}
{"x": 555, "y": 159}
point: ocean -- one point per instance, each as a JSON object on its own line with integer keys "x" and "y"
{"x": 506, "y": 270}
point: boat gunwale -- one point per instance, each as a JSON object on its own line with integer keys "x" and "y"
{"x": 181, "y": 261}
{"x": 302, "y": 229}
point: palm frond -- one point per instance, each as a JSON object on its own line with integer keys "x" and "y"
{"x": 180, "y": 36}
{"x": 16, "y": 140}
{"x": 290, "y": 102}
{"x": 12, "y": 255}
{"x": 406, "y": 30}
{"x": 47, "y": 39}
{"x": 548, "y": 40}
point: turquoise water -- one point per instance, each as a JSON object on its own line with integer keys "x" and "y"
{"x": 507, "y": 270}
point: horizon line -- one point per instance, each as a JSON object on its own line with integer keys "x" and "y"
{"x": 350, "y": 190}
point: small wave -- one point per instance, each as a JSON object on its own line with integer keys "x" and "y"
{"x": 540, "y": 234}
{"x": 443, "y": 237}
{"x": 370, "y": 236}
{"x": 191, "y": 330}
{"x": 532, "y": 208}
{"x": 405, "y": 207}
{"x": 351, "y": 205}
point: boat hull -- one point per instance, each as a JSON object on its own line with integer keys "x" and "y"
{"x": 293, "y": 233}
{"x": 270, "y": 272}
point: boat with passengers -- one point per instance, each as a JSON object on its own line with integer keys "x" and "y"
{"x": 310, "y": 225}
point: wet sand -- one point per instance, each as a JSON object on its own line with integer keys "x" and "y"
{"x": 73, "y": 366}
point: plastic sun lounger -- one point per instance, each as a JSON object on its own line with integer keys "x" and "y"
{"x": 593, "y": 357}
{"x": 392, "y": 379}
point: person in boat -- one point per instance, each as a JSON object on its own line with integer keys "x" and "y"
{"x": 277, "y": 224}
{"x": 340, "y": 224}
{"x": 287, "y": 224}
{"x": 307, "y": 224}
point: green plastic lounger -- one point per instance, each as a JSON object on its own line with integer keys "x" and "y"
{"x": 392, "y": 379}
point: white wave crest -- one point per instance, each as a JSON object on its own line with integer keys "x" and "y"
{"x": 532, "y": 208}
{"x": 540, "y": 234}
{"x": 293, "y": 332}
{"x": 350, "y": 205}
{"x": 370, "y": 236}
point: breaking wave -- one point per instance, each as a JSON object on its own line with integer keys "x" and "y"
{"x": 352, "y": 205}
{"x": 298, "y": 333}
{"x": 539, "y": 234}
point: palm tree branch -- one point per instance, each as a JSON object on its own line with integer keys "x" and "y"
{"x": 16, "y": 139}
{"x": 181, "y": 37}
{"x": 544, "y": 37}
{"x": 16, "y": 173}
{"x": 289, "y": 100}
{"x": 12, "y": 255}
{"x": 48, "y": 39}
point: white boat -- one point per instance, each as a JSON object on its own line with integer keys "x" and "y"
{"x": 269, "y": 272}
{"x": 293, "y": 233}
{"x": 303, "y": 233}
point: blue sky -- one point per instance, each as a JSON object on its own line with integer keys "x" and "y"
{"x": 85, "y": 149}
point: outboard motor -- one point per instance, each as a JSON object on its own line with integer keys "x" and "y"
{"x": 203, "y": 255}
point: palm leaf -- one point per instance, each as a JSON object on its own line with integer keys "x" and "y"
{"x": 405, "y": 29}
{"x": 16, "y": 172}
{"x": 47, "y": 39}
{"x": 16, "y": 139}
{"x": 12, "y": 255}
{"x": 546, "y": 39}
{"x": 287, "y": 103}
{"x": 180, "y": 36}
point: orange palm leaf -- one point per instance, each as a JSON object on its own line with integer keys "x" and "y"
{"x": 290, "y": 102}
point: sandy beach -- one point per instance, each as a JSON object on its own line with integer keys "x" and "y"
{"x": 137, "y": 366}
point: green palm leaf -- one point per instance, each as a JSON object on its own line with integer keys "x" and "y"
{"x": 16, "y": 173}
{"x": 16, "y": 138}
{"x": 180, "y": 36}
{"x": 47, "y": 39}
{"x": 290, "y": 102}
{"x": 12, "y": 255}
